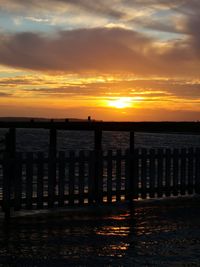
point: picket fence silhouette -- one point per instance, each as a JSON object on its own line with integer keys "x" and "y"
{"x": 36, "y": 180}
{"x": 80, "y": 178}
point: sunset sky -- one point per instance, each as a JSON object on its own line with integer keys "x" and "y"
{"x": 125, "y": 60}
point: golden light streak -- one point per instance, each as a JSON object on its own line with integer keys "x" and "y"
{"x": 113, "y": 97}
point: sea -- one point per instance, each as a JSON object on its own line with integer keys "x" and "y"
{"x": 161, "y": 232}
{"x": 38, "y": 140}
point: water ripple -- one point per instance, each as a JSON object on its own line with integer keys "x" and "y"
{"x": 152, "y": 235}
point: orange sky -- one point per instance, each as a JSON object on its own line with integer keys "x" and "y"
{"x": 129, "y": 60}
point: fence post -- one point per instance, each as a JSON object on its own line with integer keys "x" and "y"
{"x": 40, "y": 177}
{"x": 131, "y": 191}
{"x": 52, "y": 166}
{"x": 8, "y": 170}
{"x": 11, "y": 142}
{"x": 6, "y": 185}
{"x": 91, "y": 178}
{"x": 132, "y": 141}
{"x": 53, "y": 141}
{"x": 118, "y": 174}
{"x": 197, "y": 172}
{"x": 97, "y": 163}
{"x": 109, "y": 176}
{"x": 98, "y": 139}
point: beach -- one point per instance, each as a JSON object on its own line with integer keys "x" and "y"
{"x": 151, "y": 233}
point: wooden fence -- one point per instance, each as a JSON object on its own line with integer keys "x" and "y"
{"x": 37, "y": 180}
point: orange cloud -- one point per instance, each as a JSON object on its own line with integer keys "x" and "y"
{"x": 99, "y": 50}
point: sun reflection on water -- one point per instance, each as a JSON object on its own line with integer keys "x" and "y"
{"x": 114, "y": 231}
{"x": 148, "y": 236}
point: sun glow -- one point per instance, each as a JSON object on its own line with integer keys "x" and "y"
{"x": 122, "y": 102}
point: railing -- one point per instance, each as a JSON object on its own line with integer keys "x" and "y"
{"x": 36, "y": 180}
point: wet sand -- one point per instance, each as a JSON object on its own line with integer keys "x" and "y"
{"x": 150, "y": 233}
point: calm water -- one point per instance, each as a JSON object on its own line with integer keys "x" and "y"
{"x": 36, "y": 140}
{"x": 159, "y": 233}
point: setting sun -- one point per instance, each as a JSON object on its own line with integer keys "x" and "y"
{"x": 122, "y": 102}
{"x": 109, "y": 61}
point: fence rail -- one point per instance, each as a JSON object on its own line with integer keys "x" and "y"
{"x": 37, "y": 180}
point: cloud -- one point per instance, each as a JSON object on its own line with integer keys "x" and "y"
{"x": 73, "y": 51}
{"x": 99, "y": 7}
{"x": 120, "y": 11}
{"x": 35, "y": 19}
{"x": 13, "y": 82}
{"x": 184, "y": 89}
{"x": 96, "y": 7}
{"x": 178, "y": 16}
{"x": 65, "y": 91}
{"x": 157, "y": 90}
{"x": 3, "y": 94}
{"x": 98, "y": 50}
